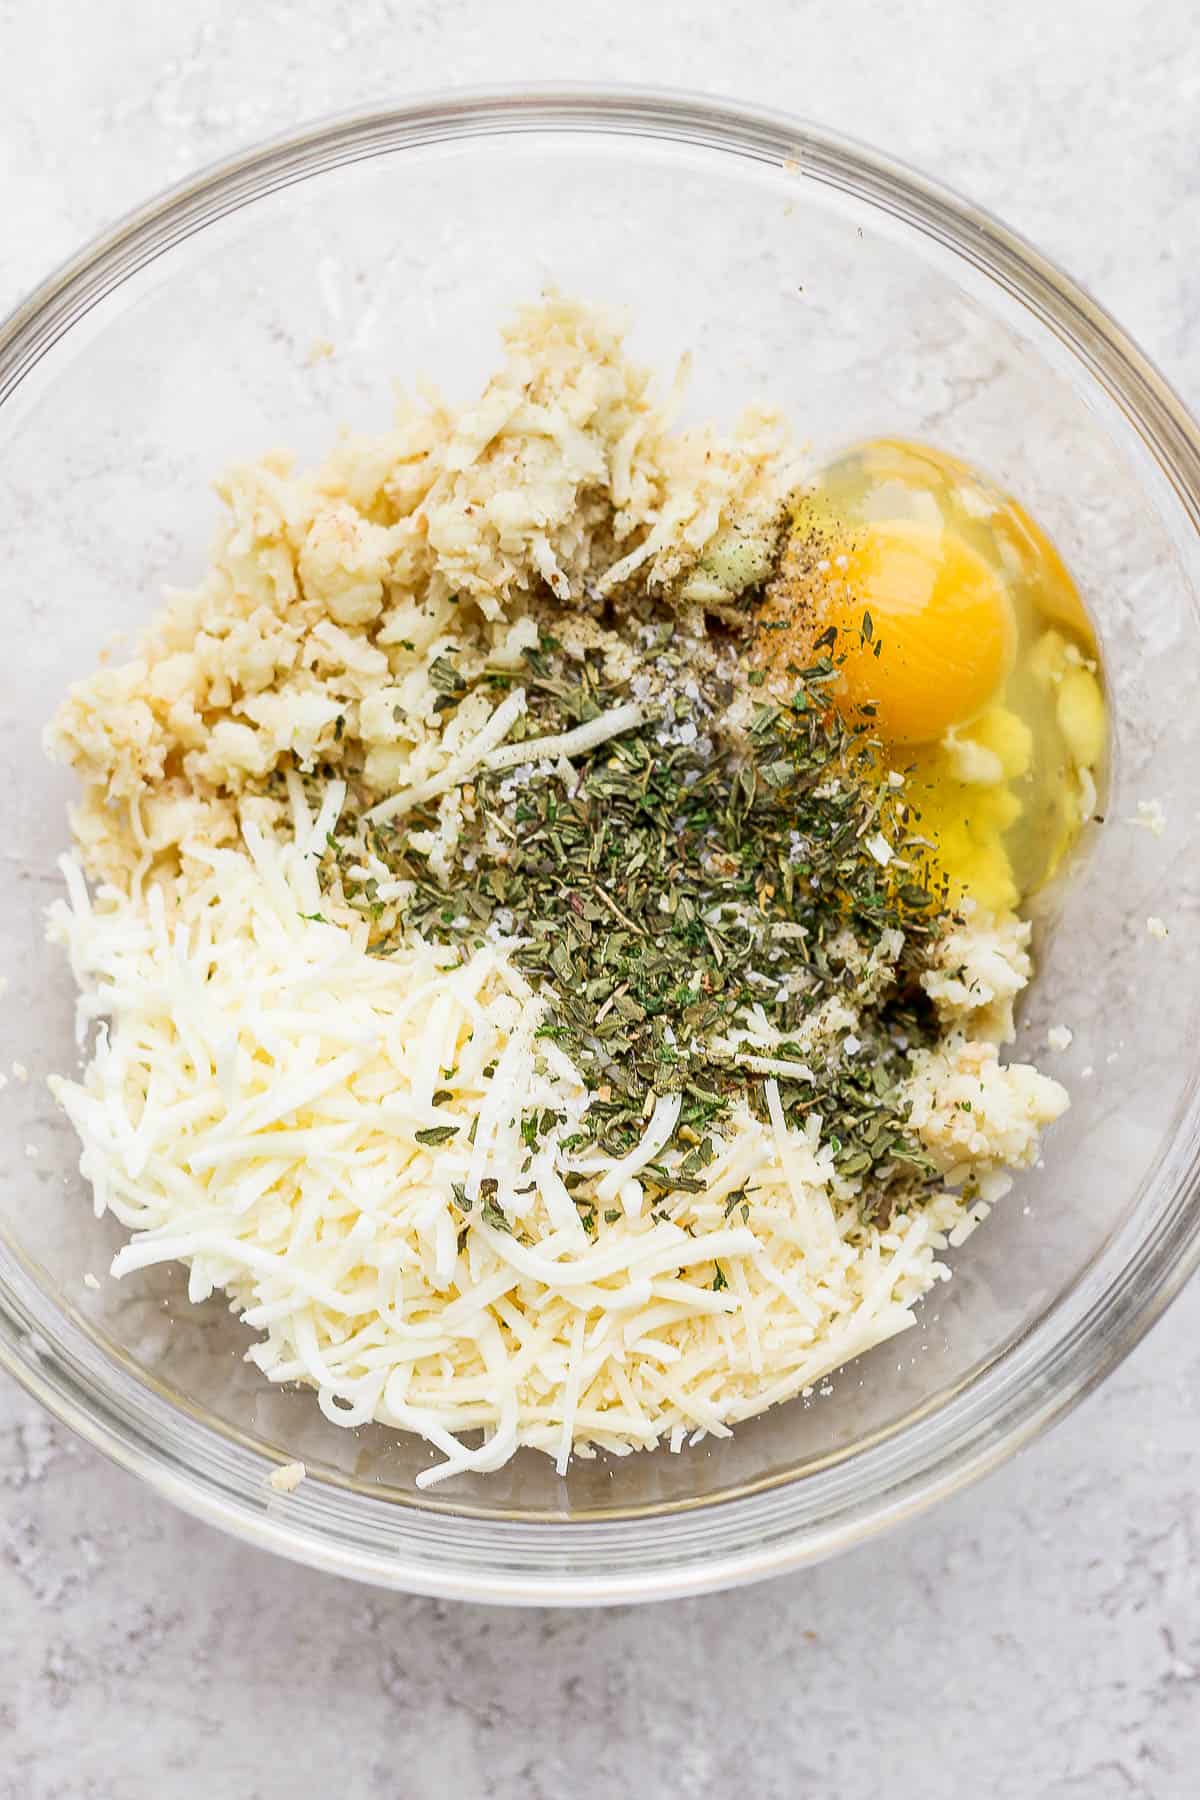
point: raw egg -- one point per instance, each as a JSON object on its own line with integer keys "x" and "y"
{"x": 961, "y": 642}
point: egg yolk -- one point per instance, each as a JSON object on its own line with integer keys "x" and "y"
{"x": 925, "y": 629}
{"x": 1015, "y": 539}
{"x": 957, "y": 636}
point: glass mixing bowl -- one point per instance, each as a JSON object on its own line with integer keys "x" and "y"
{"x": 797, "y": 269}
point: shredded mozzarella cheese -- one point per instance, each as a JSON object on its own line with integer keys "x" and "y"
{"x": 568, "y": 743}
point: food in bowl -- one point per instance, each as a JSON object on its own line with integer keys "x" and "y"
{"x": 548, "y": 904}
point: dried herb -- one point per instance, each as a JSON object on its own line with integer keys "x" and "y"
{"x": 447, "y": 682}
{"x": 433, "y": 1135}
{"x": 685, "y": 882}
{"x": 494, "y": 1216}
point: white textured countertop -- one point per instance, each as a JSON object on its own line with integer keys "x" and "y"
{"x": 1043, "y": 1630}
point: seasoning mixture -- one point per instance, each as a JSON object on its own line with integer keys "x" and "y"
{"x": 537, "y": 983}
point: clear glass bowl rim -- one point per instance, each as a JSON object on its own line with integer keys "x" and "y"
{"x": 708, "y": 1545}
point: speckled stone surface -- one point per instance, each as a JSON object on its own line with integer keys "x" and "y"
{"x": 1039, "y": 1636}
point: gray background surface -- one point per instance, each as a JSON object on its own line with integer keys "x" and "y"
{"x": 1038, "y": 1636}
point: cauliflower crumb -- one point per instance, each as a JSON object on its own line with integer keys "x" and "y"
{"x": 972, "y": 763}
{"x": 20, "y": 1072}
{"x": 1151, "y": 817}
{"x": 968, "y": 1107}
{"x": 1059, "y": 1037}
{"x": 982, "y": 967}
{"x": 89, "y": 1281}
{"x": 287, "y": 1479}
{"x": 1156, "y": 927}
